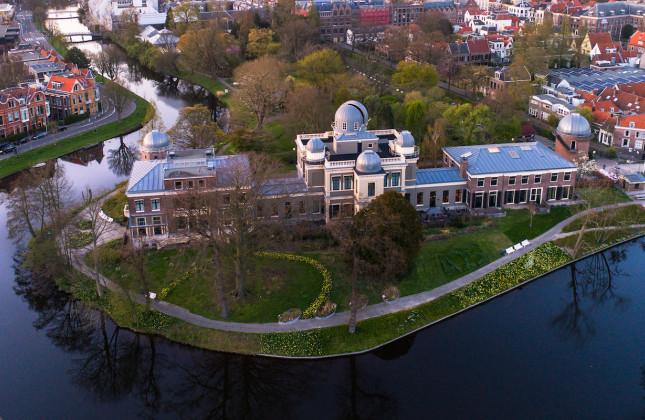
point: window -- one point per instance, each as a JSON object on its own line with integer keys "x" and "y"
{"x": 274, "y": 210}
{"x": 156, "y": 220}
{"x": 371, "y": 189}
{"x": 554, "y": 177}
{"x": 355, "y": 125}
{"x": 370, "y": 145}
{"x": 317, "y": 207}
{"x": 191, "y": 184}
{"x": 344, "y": 125}
{"x": 141, "y": 221}
{"x": 479, "y": 200}
{"x": 334, "y": 210}
{"x": 511, "y": 180}
{"x": 565, "y": 192}
{"x": 348, "y": 182}
{"x": 335, "y": 183}
{"x": 567, "y": 176}
{"x": 537, "y": 179}
{"x": 625, "y": 142}
{"x": 301, "y": 207}
{"x": 446, "y": 197}
{"x": 433, "y": 199}
{"x": 480, "y": 182}
{"x": 493, "y": 182}
{"x": 138, "y": 206}
{"x": 551, "y": 192}
{"x": 492, "y": 199}
{"x": 534, "y": 193}
{"x": 458, "y": 196}
{"x": 396, "y": 176}
{"x": 178, "y": 185}
{"x": 523, "y": 196}
{"x": 419, "y": 199}
{"x": 155, "y": 204}
{"x": 573, "y": 145}
{"x": 509, "y": 197}
{"x": 287, "y": 209}
{"x": 525, "y": 179}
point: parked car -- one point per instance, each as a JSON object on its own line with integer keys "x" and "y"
{"x": 8, "y": 148}
{"x": 39, "y": 135}
{"x": 24, "y": 140}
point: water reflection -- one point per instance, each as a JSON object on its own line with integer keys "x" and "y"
{"x": 121, "y": 159}
{"x": 591, "y": 282}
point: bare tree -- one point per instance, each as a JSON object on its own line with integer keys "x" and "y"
{"x": 246, "y": 190}
{"x": 12, "y": 72}
{"x": 117, "y": 93}
{"x": 262, "y": 87}
{"x": 194, "y": 128}
{"x": 433, "y": 141}
{"x": 121, "y": 160}
{"x": 108, "y": 61}
{"x": 99, "y": 227}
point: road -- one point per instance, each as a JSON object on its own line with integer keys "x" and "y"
{"x": 108, "y": 115}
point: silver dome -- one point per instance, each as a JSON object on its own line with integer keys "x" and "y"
{"x": 155, "y": 140}
{"x": 574, "y": 124}
{"x": 405, "y": 139}
{"x": 368, "y": 162}
{"x": 350, "y": 117}
{"x": 315, "y": 145}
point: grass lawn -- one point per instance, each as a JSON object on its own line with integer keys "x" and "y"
{"x": 441, "y": 261}
{"x": 207, "y": 82}
{"x": 622, "y": 216}
{"x": 273, "y": 285}
{"x": 516, "y": 224}
{"x": 597, "y": 197}
{"x": 592, "y": 241}
{"x": 113, "y": 206}
{"x": 140, "y": 116}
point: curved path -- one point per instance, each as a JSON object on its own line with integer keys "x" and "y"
{"x": 371, "y": 311}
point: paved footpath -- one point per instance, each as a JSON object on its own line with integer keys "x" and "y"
{"x": 371, "y": 311}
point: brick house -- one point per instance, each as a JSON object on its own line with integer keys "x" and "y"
{"x": 73, "y": 95}
{"x": 339, "y": 172}
{"x": 23, "y": 109}
{"x": 629, "y": 132}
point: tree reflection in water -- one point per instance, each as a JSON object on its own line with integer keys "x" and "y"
{"x": 121, "y": 159}
{"x": 592, "y": 283}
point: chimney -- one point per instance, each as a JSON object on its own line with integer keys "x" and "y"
{"x": 463, "y": 167}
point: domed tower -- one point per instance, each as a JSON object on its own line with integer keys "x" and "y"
{"x": 155, "y": 145}
{"x": 404, "y": 144}
{"x": 315, "y": 150}
{"x": 368, "y": 162}
{"x": 573, "y": 137}
{"x": 351, "y": 117}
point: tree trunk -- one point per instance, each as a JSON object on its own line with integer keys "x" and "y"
{"x": 219, "y": 287}
{"x": 95, "y": 260}
{"x": 354, "y": 309}
{"x": 239, "y": 267}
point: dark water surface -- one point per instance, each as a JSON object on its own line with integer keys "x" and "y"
{"x": 570, "y": 345}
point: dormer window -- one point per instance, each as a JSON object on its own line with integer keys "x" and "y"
{"x": 632, "y": 124}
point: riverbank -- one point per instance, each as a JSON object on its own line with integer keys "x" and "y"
{"x": 142, "y": 113}
{"x": 326, "y": 338}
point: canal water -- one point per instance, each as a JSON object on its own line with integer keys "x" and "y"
{"x": 570, "y": 345}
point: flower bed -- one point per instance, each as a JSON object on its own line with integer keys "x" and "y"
{"x": 322, "y": 297}
{"x": 293, "y": 343}
{"x": 165, "y": 291}
{"x": 290, "y": 315}
{"x": 533, "y": 264}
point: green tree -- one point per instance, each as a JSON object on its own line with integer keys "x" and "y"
{"x": 585, "y": 112}
{"x": 552, "y": 120}
{"x": 433, "y": 141}
{"x": 260, "y": 42}
{"x": 320, "y": 67}
{"x": 415, "y": 116}
{"x": 467, "y": 124}
{"x": 413, "y": 75}
{"x": 78, "y": 57}
{"x": 170, "y": 19}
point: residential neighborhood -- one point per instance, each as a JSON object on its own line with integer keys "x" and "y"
{"x": 322, "y": 209}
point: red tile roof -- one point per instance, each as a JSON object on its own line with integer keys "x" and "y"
{"x": 478, "y": 46}
{"x": 637, "y": 39}
{"x": 599, "y": 38}
{"x": 638, "y": 120}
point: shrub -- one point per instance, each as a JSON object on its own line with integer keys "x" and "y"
{"x": 310, "y": 311}
{"x": 80, "y": 239}
{"x": 293, "y": 343}
{"x": 84, "y": 224}
{"x": 71, "y": 119}
{"x": 290, "y": 315}
{"x": 611, "y": 153}
{"x": 533, "y": 264}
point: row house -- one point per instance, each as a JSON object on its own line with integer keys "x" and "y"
{"x": 23, "y": 109}
{"x": 629, "y": 132}
{"x": 339, "y": 172}
{"x": 637, "y": 42}
{"x": 73, "y": 95}
{"x": 501, "y": 48}
{"x": 472, "y": 51}
{"x": 544, "y": 105}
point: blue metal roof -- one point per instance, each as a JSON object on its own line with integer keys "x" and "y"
{"x": 438, "y": 176}
{"x": 150, "y": 182}
{"x": 636, "y": 178}
{"x": 509, "y": 157}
